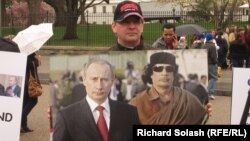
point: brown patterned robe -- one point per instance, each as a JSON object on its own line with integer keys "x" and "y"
{"x": 183, "y": 108}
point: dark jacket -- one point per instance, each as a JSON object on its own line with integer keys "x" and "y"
{"x": 119, "y": 47}
{"x": 76, "y": 123}
{"x": 222, "y": 43}
{"x": 8, "y": 45}
{"x": 211, "y": 53}
{"x": 238, "y": 50}
{"x": 141, "y": 46}
{"x": 2, "y": 89}
{"x": 78, "y": 92}
{"x": 17, "y": 91}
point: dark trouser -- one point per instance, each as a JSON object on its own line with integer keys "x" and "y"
{"x": 212, "y": 78}
{"x": 238, "y": 62}
{"x": 28, "y": 104}
{"x": 248, "y": 62}
{"x": 221, "y": 59}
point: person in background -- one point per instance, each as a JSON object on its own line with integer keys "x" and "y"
{"x": 248, "y": 48}
{"x": 79, "y": 121}
{"x": 8, "y": 92}
{"x": 182, "y": 43}
{"x": 194, "y": 37}
{"x": 33, "y": 61}
{"x": 203, "y": 80}
{"x": 54, "y": 100}
{"x": 201, "y": 91}
{"x": 238, "y": 51}
{"x": 226, "y": 34}
{"x": 168, "y": 39}
{"x": 232, "y": 32}
{"x": 139, "y": 87}
{"x": 114, "y": 92}
{"x": 212, "y": 64}
{"x": 164, "y": 103}
{"x": 222, "y": 52}
{"x": 132, "y": 77}
{"x": 199, "y": 42}
{"x": 192, "y": 82}
{"x": 197, "y": 88}
{"x": 78, "y": 91}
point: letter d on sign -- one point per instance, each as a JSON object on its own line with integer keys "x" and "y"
{"x": 6, "y": 117}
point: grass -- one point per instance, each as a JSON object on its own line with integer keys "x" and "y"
{"x": 100, "y": 35}
{"x": 95, "y": 35}
{"x": 92, "y": 35}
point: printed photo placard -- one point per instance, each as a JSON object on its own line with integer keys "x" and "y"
{"x": 67, "y": 87}
{"x": 12, "y": 79}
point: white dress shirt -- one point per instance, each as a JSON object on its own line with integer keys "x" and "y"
{"x": 106, "y": 111}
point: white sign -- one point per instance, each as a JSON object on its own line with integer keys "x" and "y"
{"x": 12, "y": 79}
{"x": 241, "y": 86}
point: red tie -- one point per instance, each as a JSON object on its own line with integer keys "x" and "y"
{"x": 101, "y": 123}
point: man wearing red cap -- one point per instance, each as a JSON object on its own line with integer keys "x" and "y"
{"x": 128, "y": 26}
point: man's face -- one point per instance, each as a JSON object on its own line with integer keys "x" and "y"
{"x": 163, "y": 75}
{"x": 129, "y": 30}
{"x": 98, "y": 81}
{"x": 12, "y": 81}
{"x": 204, "y": 80}
{"x": 168, "y": 35}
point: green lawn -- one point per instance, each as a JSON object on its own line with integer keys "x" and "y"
{"x": 95, "y": 35}
{"x": 100, "y": 35}
{"x": 92, "y": 35}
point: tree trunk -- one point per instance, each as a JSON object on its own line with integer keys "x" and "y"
{"x": 231, "y": 11}
{"x": 72, "y": 16}
{"x": 71, "y": 28}
{"x": 34, "y": 12}
{"x": 222, "y": 23}
{"x": 60, "y": 11}
{"x": 83, "y": 17}
{"x": 3, "y": 12}
{"x": 248, "y": 11}
{"x": 216, "y": 14}
{"x": 60, "y": 19}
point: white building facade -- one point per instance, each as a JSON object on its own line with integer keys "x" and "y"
{"x": 103, "y": 13}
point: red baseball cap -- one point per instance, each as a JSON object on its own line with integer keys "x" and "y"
{"x": 125, "y": 9}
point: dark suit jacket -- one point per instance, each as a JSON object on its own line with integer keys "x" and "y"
{"x": 76, "y": 123}
{"x": 78, "y": 92}
{"x": 17, "y": 91}
{"x": 2, "y": 89}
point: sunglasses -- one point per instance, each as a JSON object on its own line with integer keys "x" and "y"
{"x": 160, "y": 68}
